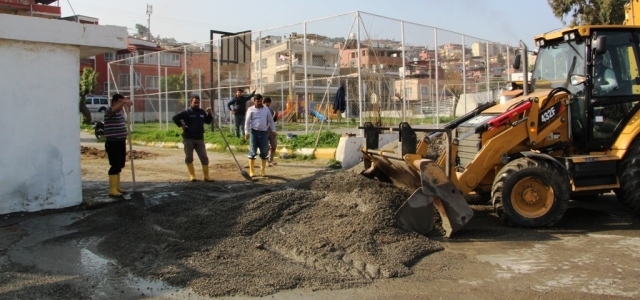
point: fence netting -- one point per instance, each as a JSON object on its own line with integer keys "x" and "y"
{"x": 387, "y": 70}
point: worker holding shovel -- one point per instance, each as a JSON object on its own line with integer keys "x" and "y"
{"x": 257, "y": 125}
{"x": 192, "y": 121}
{"x": 115, "y": 131}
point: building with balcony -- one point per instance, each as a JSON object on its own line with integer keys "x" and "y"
{"x": 276, "y": 61}
{"x": 30, "y": 8}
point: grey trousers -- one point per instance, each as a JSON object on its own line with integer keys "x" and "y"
{"x": 198, "y": 145}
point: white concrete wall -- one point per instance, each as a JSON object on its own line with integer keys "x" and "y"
{"x": 40, "y": 157}
{"x": 39, "y": 124}
{"x": 348, "y": 152}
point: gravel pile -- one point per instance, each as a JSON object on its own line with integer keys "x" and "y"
{"x": 335, "y": 231}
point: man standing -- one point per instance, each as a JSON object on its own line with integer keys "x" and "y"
{"x": 192, "y": 121}
{"x": 238, "y": 107}
{"x": 115, "y": 130}
{"x": 273, "y": 141}
{"x": 259, "y": 121}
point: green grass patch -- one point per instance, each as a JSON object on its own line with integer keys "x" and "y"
{"x": 150, "y": 132}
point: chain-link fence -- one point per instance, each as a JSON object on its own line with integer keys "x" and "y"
{"x": 387, "y": 71}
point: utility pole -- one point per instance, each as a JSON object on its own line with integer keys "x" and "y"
{"x": 149, "y": 12}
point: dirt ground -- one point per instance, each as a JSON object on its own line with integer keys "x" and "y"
{"x": 304, "y": 231}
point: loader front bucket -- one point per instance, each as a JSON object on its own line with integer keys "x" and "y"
{"x": 453, "y": 209}
{"x": 431, "y": 187}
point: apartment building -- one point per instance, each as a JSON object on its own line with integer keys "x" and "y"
{"x": 30, "y": 8}
{"x": 275, "y": 61}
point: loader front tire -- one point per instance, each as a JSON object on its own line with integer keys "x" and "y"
{"x": 629, "y": 191}
{"x": 530, "y": 192}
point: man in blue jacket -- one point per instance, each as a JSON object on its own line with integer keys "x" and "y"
{"x": 238, "y": 107}
{"x": 192, "y": 121}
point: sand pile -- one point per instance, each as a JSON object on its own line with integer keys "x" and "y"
{"x": 335, "y": 231}
{"x": 93, "y": 153}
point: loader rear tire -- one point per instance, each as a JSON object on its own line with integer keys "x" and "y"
{"x": 629, "y": 191}
{"x": 530, "y": 192}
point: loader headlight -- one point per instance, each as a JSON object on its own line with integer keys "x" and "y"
{"x": 511, "y": 86}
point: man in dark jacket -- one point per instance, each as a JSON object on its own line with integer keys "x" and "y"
{"x": 192, "y": 121}
{"x": 238, "y": 107}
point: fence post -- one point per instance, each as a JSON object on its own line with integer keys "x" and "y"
{"x": 464, "y": 76}
{"x": 131, "y": 95}
{"x": 437, "y": 79}
{"x": 403, "y": 75}
{"x": 359, "y": 69}
{"x": 307, "y": 109}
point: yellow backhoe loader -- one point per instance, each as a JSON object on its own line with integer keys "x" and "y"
{"x": 572, "y": 131}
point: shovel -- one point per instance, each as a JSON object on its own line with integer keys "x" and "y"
{"x": 242, "y": 172}
{"x": 136, "y": 197}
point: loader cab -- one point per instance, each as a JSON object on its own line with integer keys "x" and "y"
{"x": 601, "y": 71}
{"x": 613, "y": 85}
{"x": 559, "y": 60}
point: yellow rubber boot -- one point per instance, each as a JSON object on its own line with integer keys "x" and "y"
{"x": 263, "y": 167}
{"x": 252, "y": 168}
{"x": 205, "y": 171}
{"x": 113, "y": 186}
{"x": 192, "y": 172}
{"x": 120, "y": 189}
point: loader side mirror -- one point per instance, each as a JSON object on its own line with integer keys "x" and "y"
{"x": 600, "y": 45}
{"x": 577, "y": 79}
{"x": 516, "y": 62}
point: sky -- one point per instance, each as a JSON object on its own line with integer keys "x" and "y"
{"x": 189, "y": 21}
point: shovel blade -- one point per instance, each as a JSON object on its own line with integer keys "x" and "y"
{"x": 416, "y": 213}
{"x": 453, "y": 209}
{"x": 138, "y": 200}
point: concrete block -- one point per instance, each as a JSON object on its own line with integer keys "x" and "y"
{"x": 348, "y": 151}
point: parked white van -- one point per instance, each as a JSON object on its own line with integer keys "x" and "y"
{"x": 97, "y": 103}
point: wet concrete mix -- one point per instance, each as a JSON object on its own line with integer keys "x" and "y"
{"x": 332, "y": 231}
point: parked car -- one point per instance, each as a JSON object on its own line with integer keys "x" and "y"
{"x": 97, "y": 103}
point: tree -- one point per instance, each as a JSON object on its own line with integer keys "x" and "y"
{"x": 175, "y": 86}
{"x": 589, "y": 12}
{"x": 88, "y": 82}
{"x": 142, "y": 30}
{"x": 456, "y": 90}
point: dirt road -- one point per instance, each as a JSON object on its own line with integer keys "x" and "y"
{"x": 303, "y": 232}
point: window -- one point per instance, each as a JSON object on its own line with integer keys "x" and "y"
{"x": 88, "y": 101}
{"x": 151, "y": 82}
{"x": 424, "y": 91}
{"x": 409, "y": 91}
{"x": 109, "y": 56}
{"x": 124, "y": 58}
{"x": 353, "y": 55}
{"x": 147, "y": 57}
{"x": 123, "y": 81}
{"x": 170, "y": 59}
{"x": 317, "y": 60}
{"x": 263, "y": 62}
{"x": 104, "y": 101}
{"x": 106, "y": 88}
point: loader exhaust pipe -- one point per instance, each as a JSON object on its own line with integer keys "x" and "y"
{"x": 525, "y": 69}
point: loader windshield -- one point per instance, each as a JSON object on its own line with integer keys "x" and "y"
{"x": 555, "y": 62}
